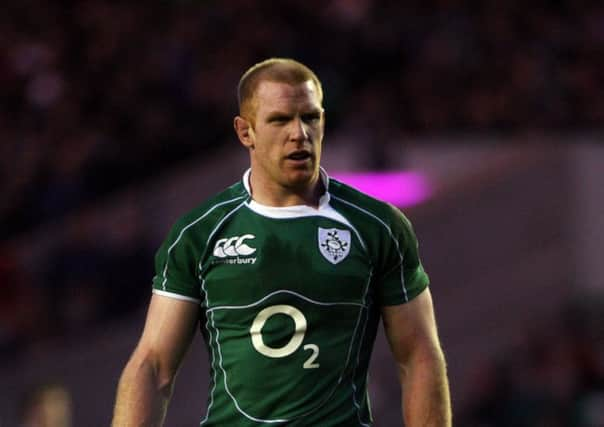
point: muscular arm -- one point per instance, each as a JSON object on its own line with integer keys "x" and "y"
{"x": 411, "y": 332}
{"x": 146, "y": 384}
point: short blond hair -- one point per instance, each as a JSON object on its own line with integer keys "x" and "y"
{"x": 282, "y": 70}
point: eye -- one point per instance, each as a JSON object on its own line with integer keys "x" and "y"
{"x": 278, "y": 119}
{"x": 311, "y": 117}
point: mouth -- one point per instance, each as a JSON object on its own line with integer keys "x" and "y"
{"x": 299, "y": 155}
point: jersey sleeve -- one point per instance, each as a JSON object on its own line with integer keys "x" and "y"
{"x": 176, "y": 267}
{"x": 401, "y": 276}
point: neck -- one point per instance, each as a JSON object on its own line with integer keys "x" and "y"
{"x": 276, "y": 195}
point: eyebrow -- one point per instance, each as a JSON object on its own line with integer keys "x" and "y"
{"x": 283, "y": 114}
{"x": 275, "y": 115}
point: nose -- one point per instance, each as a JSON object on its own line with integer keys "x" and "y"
{"x": 298, "y": 131}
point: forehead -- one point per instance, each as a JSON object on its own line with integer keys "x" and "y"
{"x": 275, "y": 96}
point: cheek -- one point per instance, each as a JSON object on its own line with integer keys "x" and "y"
{"x": 317, "y": 133}
{"x": 265, "y": 149}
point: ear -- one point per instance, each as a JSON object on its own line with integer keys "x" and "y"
{"x": 244, "y": 131}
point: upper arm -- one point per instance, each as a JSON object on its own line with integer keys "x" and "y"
{"x": 400, "y": 276}
{"x": 168, "y": 332}
{"x": 411, "y": 330}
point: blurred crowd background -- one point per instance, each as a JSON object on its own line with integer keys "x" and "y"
{"x": 100, "y": 99}
{"x": 132, "y": 88}
{"x": 555, "y": 378}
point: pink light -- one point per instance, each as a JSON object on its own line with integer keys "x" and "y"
{"x": 402, "y": 189}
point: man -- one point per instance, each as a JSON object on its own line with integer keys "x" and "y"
{"x": 289, "y": 273}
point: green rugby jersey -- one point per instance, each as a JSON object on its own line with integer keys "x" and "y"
{"x": 291, "y": 299}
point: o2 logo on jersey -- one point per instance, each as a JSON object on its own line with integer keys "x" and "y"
{"x": 233, "y": 246}
{"x": 334, "y": 244}
{"x": 294, "y": 342}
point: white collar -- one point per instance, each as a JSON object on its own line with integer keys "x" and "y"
{"x": 288, "y": 211}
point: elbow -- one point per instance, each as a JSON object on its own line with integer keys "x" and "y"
{"x": 149, "y": 365}
{"x": 165, "y": 381}
{"x": 430, "y": 358}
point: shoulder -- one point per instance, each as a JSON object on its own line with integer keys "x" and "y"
{"x": 212, "y": 209}
{"x": 358, "y": 204}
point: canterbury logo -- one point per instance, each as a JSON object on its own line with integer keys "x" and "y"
{"x": 233, "y": 246}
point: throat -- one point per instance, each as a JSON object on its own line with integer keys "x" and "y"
{"x": 280, "y": 195}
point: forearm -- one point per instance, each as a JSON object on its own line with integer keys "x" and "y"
{"x": 142, "y": 396}
{"x": 426, "y": 399}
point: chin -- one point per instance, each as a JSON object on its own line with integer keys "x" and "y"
{"x": 302, "y": 178}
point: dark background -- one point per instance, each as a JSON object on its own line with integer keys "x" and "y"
{"x": 116, "y": 118}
